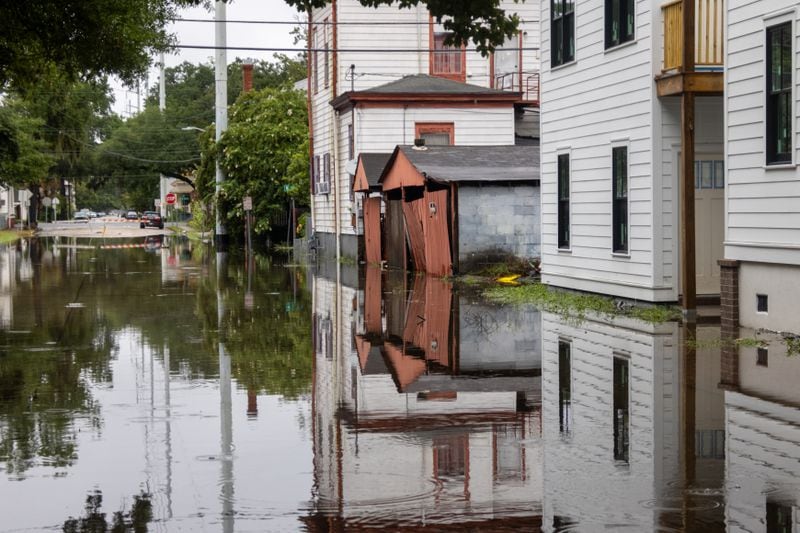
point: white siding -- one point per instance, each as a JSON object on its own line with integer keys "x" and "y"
{"x": 381, "y": 129}
{"x": 377, "y": 68}
{"x": 605, "y": 96}
{"x": 763, "y": 205}
{"x": 322, "y": 123}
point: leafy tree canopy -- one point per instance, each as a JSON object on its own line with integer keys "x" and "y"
{"x": 482, "y": 22}
{"x": 84, "y": 38}
{"x": 264, "y": 154}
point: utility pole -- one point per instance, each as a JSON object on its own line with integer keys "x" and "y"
{"x": 162, "y": 105}
{"x": 221, "y": 82}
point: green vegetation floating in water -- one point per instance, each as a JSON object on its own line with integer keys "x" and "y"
{"x": 9, "y": 236}
{"x": 576, "y": 306}
{"x": 792, "y": 343}
{"x": 748, "y": 342}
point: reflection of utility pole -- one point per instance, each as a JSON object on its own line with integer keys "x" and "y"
{"x": 162, "y": 106}
{"x": 225, "y": 403}
{"x": 221, "y": 83}
{"x": 168, "y": 429}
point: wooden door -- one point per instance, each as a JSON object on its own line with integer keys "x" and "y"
{"x": 372, "y": 230}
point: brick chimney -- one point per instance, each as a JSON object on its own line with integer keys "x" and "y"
{"x": 247, "y": 77}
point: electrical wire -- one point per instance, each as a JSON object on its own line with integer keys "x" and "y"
{"x": 325, "y": 23}
{"x": 343, "y": 50}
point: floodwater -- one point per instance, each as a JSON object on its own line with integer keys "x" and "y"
{"x": 157, "y": 386}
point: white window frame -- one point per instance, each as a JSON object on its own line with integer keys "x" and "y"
{"x": 770, "y": 20}
{"x": 567, "y": 151}
{"x": 620, "y": 143}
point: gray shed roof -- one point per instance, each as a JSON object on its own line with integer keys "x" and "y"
{"x": 425, "y": 84}
{"x": 373, "y": 164}
{"x": 476, "y": 163}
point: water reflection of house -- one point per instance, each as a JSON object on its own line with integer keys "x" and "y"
{"x": 762, "y": 412}
{"x": 407, "y": 432}
{"x": 630, "y": 417}
{"x": 8, "y": 272}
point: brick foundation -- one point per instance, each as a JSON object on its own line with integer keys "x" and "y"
{"x": 729, "y": 323}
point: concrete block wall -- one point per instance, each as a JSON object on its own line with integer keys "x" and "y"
{"x": 496, "y": 222}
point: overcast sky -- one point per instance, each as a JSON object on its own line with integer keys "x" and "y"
{"x": 199, "y": 33}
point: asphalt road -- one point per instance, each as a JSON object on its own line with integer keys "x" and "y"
{"x": 106, "y": 227}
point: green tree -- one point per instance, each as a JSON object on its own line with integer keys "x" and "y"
{"x": 264, "y": 154}
{"x": 156, "y": 142}
{"x": 23, "y": 160}
{"x": 483, "y": 22}
{"x": 83, "y": 38}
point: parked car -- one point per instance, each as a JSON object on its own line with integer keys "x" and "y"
{"x": 81, "y": 216}
{"x": 132, "y": 215}
{"x": 151, "y": 219}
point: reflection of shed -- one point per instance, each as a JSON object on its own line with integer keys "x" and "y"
{"x": 432, "y": 341}
{"x": 462, "y": 206}
{"x": 368, "y": 172}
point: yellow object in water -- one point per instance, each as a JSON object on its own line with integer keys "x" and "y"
{"x": 509, "y": 280}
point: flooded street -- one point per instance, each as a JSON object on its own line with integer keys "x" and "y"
{"x": 158, "y": 386}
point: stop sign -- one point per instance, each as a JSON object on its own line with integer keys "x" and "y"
{"x": 171, "y": 198}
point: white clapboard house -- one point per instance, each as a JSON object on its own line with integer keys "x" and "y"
{"x": 631, "y": 104}
{"x": 762, "y": 233}
{"x": 380, "y": 77}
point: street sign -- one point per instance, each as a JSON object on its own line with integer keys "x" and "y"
{"x": 247, "y": 203}
{"x": 56, "y": 202}
{"x": 47, "y": 201}
{"x": 171, "y": 198}
{"x": 157, "y": 202}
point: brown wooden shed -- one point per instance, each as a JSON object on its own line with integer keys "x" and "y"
{"x": 463, "y": 205}
{"x": 365, "y": 181}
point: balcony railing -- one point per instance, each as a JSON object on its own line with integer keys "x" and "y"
{"x": 526, "y": 82}
{"x": 708, "y": 34}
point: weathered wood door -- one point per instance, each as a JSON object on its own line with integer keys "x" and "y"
{"x": 372, "y": 230}
{"x": 438, "y": 256}
{"x": 412, "y": 213}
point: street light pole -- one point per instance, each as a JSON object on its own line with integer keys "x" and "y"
{"x": 221, "y": 82}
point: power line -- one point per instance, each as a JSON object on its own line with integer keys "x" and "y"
{"x": 347, "y": 50}
{"x": 327, "y": 23}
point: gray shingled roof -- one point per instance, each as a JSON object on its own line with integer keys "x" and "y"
{"x": 424, "y": 84}
{"x": 373, "y": 164}
{"x": 476, "y": 163}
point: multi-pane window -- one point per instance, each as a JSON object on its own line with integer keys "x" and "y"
{"x": 436, "y": 133}
{"x": 321, "y": 174}
{"x": 327, "y": 65}
{"x": 620, "y": 199}
{"x": 315, "y": 59}
{"x": 619, "y": 22}
{"x": 563, "y": 202}
{"x": 447, "y": 61}
{"x": 779, "y": 93}
{"x": 351, "y": 142}
{"x": 562, "y": 31}
{"x": 564, "y": 387}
